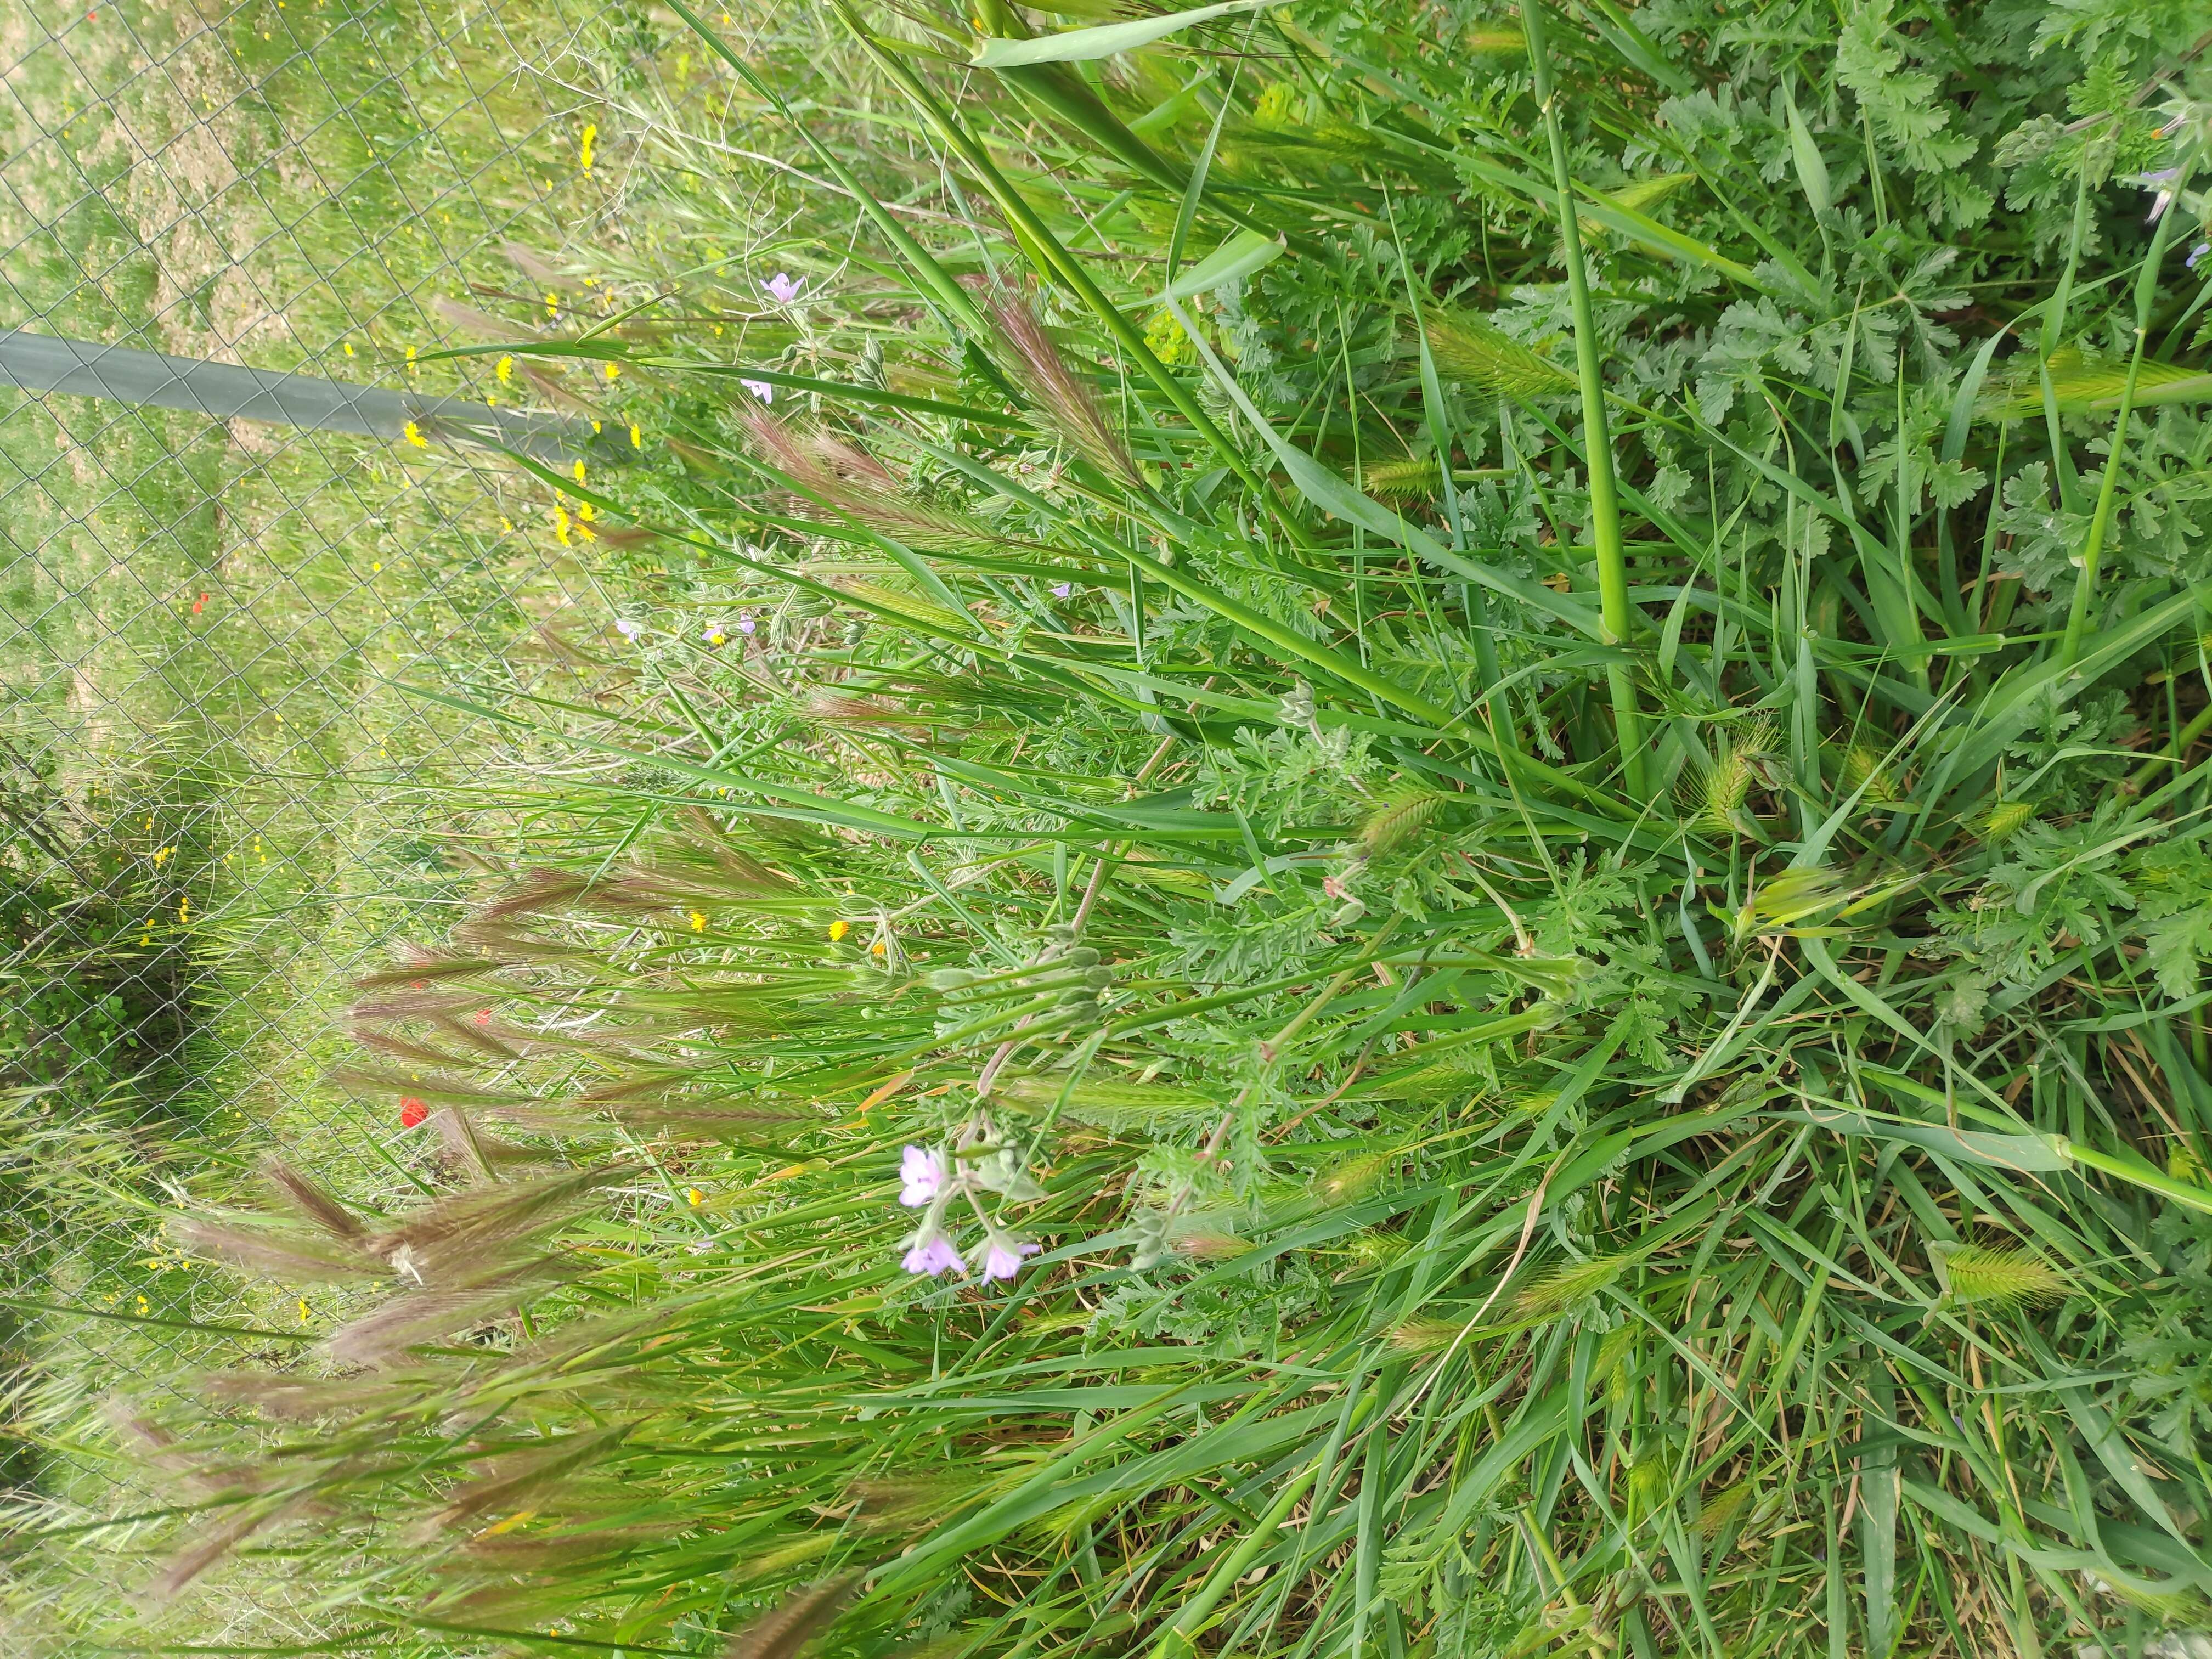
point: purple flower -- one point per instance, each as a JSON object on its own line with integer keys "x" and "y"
{"x": 628, "y": 629}
{"x": 713, "y": 634}
{"x": 760, "y": 389}
{"x": 934, "y": 1254}
{"x": 2161, "y": 182}
{"x": 1061, "y": 590}
{"x": 922, "y": 1173}
{"x": 781, "y": 287}
{"x": 744, "y": 623}
{"x": 1002, "y": 1256}
{"x": 2197, "y": 253}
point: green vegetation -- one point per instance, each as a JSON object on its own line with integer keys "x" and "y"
{"x": 215, "y": 799}
{"x": 1385, "y": 839}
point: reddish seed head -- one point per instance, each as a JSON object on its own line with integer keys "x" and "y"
{"x": 411, "y": 1111}
{"x": 483, "y": 1016}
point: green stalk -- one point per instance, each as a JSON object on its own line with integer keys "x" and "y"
{"x": 2054, "y": 334}
{"x": 1177, "y": 1639}
{"x": 2093, "y": 550}
{"x": 1597, "y": 437}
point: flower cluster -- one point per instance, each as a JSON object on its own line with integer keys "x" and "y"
{"x": 926, "y": 1184}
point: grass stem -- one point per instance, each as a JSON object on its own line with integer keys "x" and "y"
{"x": 1597, "y": 438}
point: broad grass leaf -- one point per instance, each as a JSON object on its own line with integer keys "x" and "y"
{"x": 1105, "y": 39}
{"x": 1247, "y": 252}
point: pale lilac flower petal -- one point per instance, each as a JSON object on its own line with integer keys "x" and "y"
{"x": 1002, "y": 1257}
{"x": 628, "y": 629}
{"x": 921, "y": 1173}
{"x": 760, "y": 389}
{"x": 1061, "y": 590}
{"x": 2197, "y": 253}
{"x": 744, "y": 625}
{"x": 933, "y": 1256}
{"x": 782, "y": 287}
{"x": 713, "y": 634}
{"x": 2161, "y": 182}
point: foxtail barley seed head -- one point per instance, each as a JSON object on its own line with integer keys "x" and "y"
{"x": 1475, "y": 352}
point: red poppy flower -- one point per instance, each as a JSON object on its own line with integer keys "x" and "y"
{"x": 411, "y": 1111}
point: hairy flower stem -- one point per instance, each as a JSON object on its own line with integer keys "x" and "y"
{"x": 1597, "y": 436}
{"x": 2093, "y": 549}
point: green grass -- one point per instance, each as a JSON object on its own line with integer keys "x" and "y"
{"x": 1580, "y": 1079}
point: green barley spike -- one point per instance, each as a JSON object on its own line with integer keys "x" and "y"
{"x": 1976, "y": 1276}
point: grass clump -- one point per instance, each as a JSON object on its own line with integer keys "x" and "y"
{"x": 1105, "y": 1039}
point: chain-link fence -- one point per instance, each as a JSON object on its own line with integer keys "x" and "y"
{"x": 212, "y": 769}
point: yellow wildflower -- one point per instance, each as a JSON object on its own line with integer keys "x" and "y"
{"x": 698, "y": 922}
{"x": 552, "y": 305}
{"x": 839, "y": 929}
{"x": 579, "y": 471}
{"x": 303, "y": 1311}
{"x": 584, "y": 153}
{"x": 410, "y": 360}
{"x": 561, "y": 525}
{"x": 1164, "y": 336}
{"x": 505, "y": 372}
{"x": 637, "y": 439}
{"x": 613, "y": 371}
{"x": 694, "y": 1197}
{"x": 414, "y": 435}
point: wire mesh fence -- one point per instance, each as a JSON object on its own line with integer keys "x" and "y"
{"x": 211, "y": 767}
